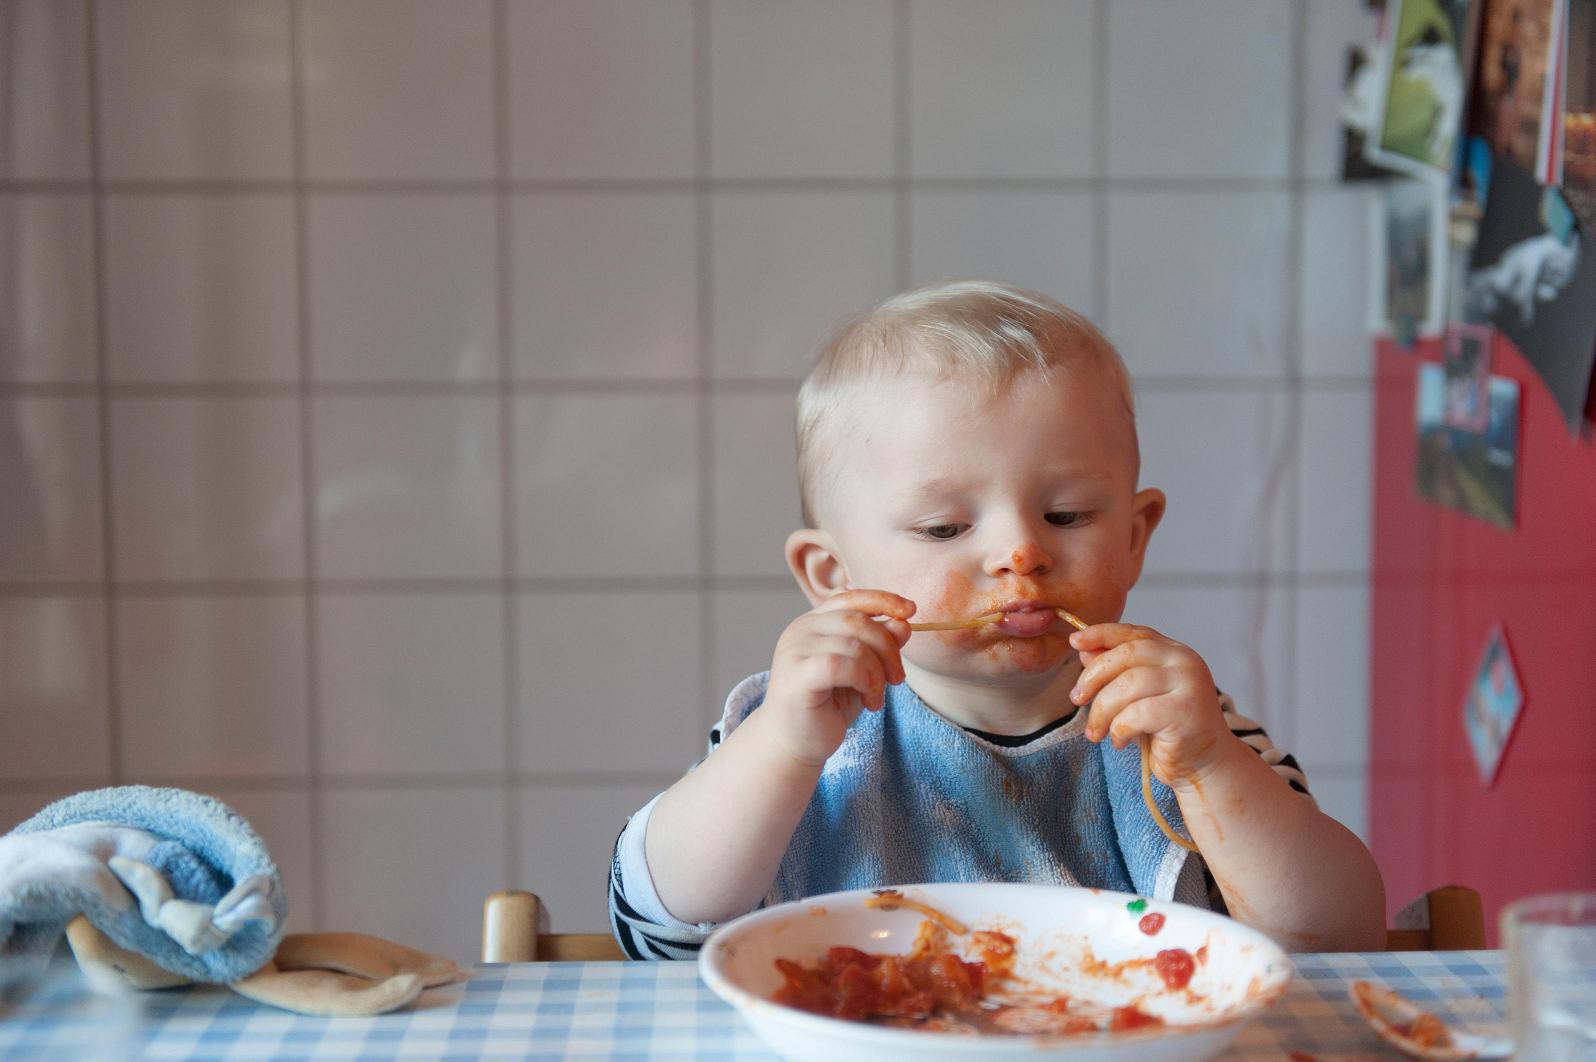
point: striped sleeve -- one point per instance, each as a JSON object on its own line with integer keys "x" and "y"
{"x": 641, "y": 937}
{"x": 638, "y": 921}
{"x": 1284, "y": 764}
{"x": 1252, "y": 735}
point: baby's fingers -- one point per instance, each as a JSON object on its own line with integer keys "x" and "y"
{"x": 884, "y": 637}
{"x": 842, "y": 664}
{"x": 871, "y": 603}
{"x": 1116, "y": 710}
{"x": 1103, "y": 667}
{"x": 1100, "y": 636}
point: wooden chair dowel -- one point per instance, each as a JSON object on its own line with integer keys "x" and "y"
{"x": 1457, "y": 919}
{"x": 1448, "y": 918}
{"x": 510, "y": 927}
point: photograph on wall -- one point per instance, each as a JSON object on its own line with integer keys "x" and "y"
{"x": 1414, "y": 241}
{"x": 1579, "y": 116}
{"x": 1360, "y": 108}
{"x": 1475, "y": 473}
{"x": 1533, "y": 277}
{"x": 1511, "y": 76}
{"x": 1548, "y": 167}
{"x": 1470, "y": 184}
{"x": 1466, "y": 364}
{"x": 1492, "y": 705}
{"x": 1422, "y": 88}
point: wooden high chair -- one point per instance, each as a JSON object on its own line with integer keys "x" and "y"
{"x": 513, "y": 924}
{"x": 1449, "y": 918}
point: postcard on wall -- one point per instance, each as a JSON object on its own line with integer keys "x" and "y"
{"x": 1470, "y": 184}
{"x": 1466, "y": 365}
{"x": 1579, "y": 115}
{"x": 1422, "y": 87}
{"x": 1492, "y": 705}
{"x": 1512, "y": 75}
{"x": 1359, "y": 111}
{"x": 1533, "y": 277}
{"x": 1548, "y": 166}
{"x": 1414, "y": 242}
{"x": 1475, "y": 473}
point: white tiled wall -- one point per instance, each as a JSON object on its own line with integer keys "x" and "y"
{"x": 395, "y": 396}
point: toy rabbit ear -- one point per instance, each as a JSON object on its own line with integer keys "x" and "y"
{"x": 194, "y": 926}
{"x": 365, "y": 956}
{"x": 248, "y": 901}
{"x": 109, "y": 966}
{"x": 345, "y": 975}
{"x": 326, "y": 994}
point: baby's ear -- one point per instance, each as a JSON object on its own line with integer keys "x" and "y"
{"x": 813, "y": 559}
{"x": 1147, "y": 508}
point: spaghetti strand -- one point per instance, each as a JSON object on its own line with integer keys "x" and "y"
{"x": 1146, "y": 743}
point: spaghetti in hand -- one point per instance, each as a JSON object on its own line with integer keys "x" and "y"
{"x": 1145, "y": 687}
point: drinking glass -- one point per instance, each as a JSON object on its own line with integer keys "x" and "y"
{"x": 1551, "y": 976}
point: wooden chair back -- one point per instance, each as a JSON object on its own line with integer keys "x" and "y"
{"x": 514, "y": 927}
{"x": 1450, "y": 918}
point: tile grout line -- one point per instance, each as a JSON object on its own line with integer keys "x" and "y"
{"x": 903, "y": 233}
{"x": 102, "y": 394}
{"x": 9, "y": 17}
{"x": 174, "y": 186}
{"x": 509, "y": 617}
{"x": 569, "y": 780}
{"x": 704, "y": 264}
{"x": 307, "y": 463}
{"x": 1099, "y": 180}
{"x": 1277, "y": 497}
{"x": 648, "y": 387}
{"x": 380, "y": 781}
{"x": 600, "y": 584}
{"x": 1292, "y": 562}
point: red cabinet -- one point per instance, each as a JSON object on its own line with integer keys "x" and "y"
{"x": 1441, "y": 580}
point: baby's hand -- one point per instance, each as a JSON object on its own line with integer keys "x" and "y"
{"x": 832, "y": 662}
{"x": 1140, "y": 682}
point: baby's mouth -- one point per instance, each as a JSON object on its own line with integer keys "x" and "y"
{"x": 1027, "y": 621}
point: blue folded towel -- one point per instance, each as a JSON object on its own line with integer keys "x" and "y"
{"x": 175, "y": 876}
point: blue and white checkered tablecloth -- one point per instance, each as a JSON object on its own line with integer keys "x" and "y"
{"x": 643, "y": 1011}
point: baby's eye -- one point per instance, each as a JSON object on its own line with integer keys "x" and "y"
{"x": 1066, "y": 519}
{"x": 940, "y": 532}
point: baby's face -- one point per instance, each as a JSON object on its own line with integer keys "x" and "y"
{"x": 1023, "y": 502}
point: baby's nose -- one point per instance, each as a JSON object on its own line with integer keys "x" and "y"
{"x": 1026, "y": 558}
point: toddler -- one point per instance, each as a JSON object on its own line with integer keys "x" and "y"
{"x": 968, "y": 449}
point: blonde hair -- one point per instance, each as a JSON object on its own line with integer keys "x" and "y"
{"x": 977, "y": 329}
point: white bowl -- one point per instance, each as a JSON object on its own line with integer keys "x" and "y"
{"x": 1241, "y": 974}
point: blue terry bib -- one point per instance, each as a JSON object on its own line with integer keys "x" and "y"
{"x": 911, "y": 797}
